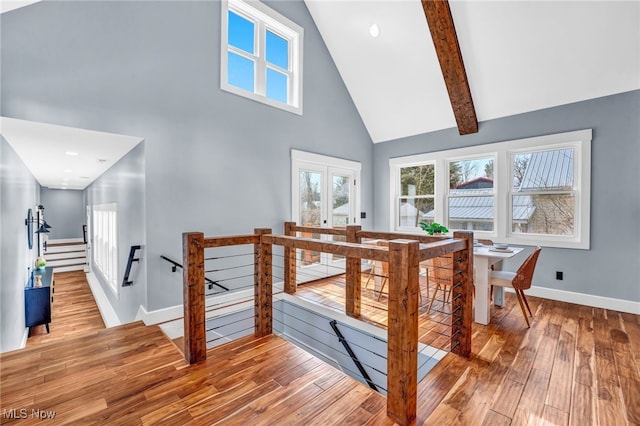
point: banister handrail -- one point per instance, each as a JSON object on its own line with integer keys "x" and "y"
{"x": 132, "y": 252}
{"x": 178, "y": 265}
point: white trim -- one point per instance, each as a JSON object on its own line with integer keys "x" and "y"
{"x": 620, "y": 305}
{"x": 107, "y": 312}
{"x": 580, "y": 140}
{"x": 324, "y": 160}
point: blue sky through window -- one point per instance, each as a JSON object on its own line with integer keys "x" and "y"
{"x": 276, "y": 85}
{"x": 240, "y": 32}
{"x": 277, "y": 50}
{"x": 240, "y": 72}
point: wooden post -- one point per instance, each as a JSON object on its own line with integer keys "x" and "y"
{"x": 290, "y": 284}
{"x": 263, "y": 285}
{"x": 353, "y": 282}
{"x": 462, "y": 296}
{"x": 402, "y": 346}
{"x": 195, "y": 342}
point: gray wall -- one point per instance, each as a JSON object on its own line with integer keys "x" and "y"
{"x": 19, "y": 191}
{"x": 64, "y": 211}
{"x": 215, "y": 162}
{"x": 124, "y": 184}
{"x": 612, "y": 267}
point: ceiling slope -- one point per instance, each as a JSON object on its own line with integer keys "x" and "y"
{"x": 519, "y": 56}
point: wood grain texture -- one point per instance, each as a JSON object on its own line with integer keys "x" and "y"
{"x": 353, "y": 279}
{"x": 290, "y": 279}
{"x": 445, "y": 41}
{"x": 195, "y": 341}
{"x": 132, "y": 374}
{"x": 263, "y": 285}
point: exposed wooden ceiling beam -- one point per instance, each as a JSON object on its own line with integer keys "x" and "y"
{"x": 445, "y": 40}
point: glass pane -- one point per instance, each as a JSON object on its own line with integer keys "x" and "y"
{"x": 543, "y": 170}
{"x": 471, "y": 176}
{"x": 543, "y": 214}
{"x": 471, "y": 213}
{"x": 340, "y": 198}
{"x": 240, "y": 32}
{"x": 277, "y": 51}
{"x": 412, "y": 211}
{"x": 310, "y": 211}
{"x": 240, "y": 72}
{"x": 277, "y": 85}
{"x": 341, "y": 208}
{"x": 417, "y": 180}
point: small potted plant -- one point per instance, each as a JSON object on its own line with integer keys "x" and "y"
{"x": 433, "y": 228}
{"x": 41, "y": 262}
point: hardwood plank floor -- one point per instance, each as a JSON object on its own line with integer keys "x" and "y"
{"x": 575, "y": 365}
{"x": 73, "y": 310}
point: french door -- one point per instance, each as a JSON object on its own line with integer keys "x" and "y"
{"x": 325, "y": 194}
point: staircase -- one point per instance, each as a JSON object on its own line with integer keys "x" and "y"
{"x": 67, "y": 255}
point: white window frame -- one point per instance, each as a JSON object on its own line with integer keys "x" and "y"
{"x": 503, "y": 153}
{"x": 105, "y": 243}
{"x": 264, "y": 18}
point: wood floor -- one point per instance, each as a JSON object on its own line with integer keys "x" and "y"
{"x": 576, "y": 365}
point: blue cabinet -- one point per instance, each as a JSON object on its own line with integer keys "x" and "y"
{"x": 37, "y": 300}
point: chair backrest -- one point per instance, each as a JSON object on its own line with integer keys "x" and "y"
{"x": 524, "y": 274}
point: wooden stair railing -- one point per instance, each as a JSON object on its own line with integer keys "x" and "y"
{"x": 404, "y": 254}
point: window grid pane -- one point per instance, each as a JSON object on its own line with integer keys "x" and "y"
{"x": 277, "y": 84}
{"x": 241, "y": 72}
{"x": 277, "y": 50}
{"x": 240, "y": 33}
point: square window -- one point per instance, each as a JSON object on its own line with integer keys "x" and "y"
{"x": 261, "y": 55}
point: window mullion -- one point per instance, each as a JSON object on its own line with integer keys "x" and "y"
{"x": 261, "y": 64}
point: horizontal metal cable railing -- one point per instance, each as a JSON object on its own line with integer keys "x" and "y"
{"x": 276, "y": 259}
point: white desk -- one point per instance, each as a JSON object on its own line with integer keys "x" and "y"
{"x": 483, "y": 258}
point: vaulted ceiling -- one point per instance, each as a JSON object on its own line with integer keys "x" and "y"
{"x": 519, "y": 56}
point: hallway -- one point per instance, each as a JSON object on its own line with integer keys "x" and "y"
{"x": 73, "y": 312}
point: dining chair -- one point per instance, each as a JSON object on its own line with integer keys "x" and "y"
{"x": 442, "y": 275}
{"x": 519, "y": 280}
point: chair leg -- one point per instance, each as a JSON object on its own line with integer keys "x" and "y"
{"x": 524, "y": 313}
{"x": 525, "y": 301}
{"x": 435, "y": 294}
{"x": 371, "y": 273}
{"x": 384, "y": 282}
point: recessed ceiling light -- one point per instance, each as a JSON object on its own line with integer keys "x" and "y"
{"x": 84, "y": 177}
{"x": 374, "y": 30}
{"x": 65, "y": 179}
{"x": 71, "y": 153}
{"x": 68, "y": 171}
{"x": 101, "y": 160}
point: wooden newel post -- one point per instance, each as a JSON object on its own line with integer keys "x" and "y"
{"x": 263, "y": 285}
{"x": 290, "y": 285}
{"x": 402, "y": 347}
{"x": 462, "y": 296}
{"x": 195, "y": 342}
{"x": 354, "y": 276}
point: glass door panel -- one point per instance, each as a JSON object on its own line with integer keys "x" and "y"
{"x": 311, "y": 190}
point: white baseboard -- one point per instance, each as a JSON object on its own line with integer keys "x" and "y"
{"x": 25, "y": 336}
{"x": 584, "y": 299}
{"x": 107, "y": 312}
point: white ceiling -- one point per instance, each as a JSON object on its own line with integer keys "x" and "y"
{"x": 44, "y": 147}
{"x": 519, "y": 56}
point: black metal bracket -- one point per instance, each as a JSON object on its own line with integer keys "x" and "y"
{"x": 132, "y": 252}
{"x": 175, "y": 265}
{"x": 353, "y": 356}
